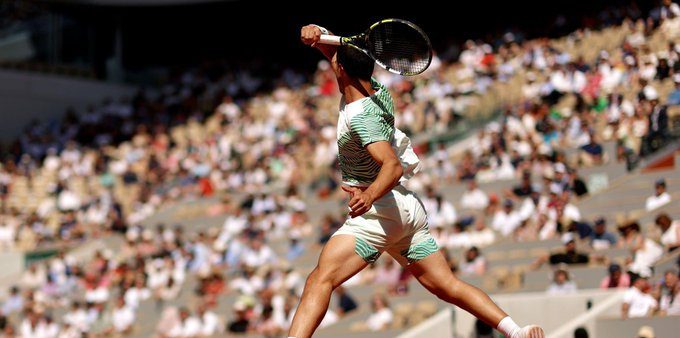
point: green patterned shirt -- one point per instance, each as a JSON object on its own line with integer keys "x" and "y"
{"x": 367, "y": 120}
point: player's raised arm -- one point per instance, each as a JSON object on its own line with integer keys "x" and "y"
{"x": 310, "y": 36}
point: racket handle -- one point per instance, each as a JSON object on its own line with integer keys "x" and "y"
{"x": 330, "y": 40}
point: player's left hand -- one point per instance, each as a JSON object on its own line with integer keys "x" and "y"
{"x": 360, "y": 201}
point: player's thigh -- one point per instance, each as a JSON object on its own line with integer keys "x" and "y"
{"x": 338, "y": 261}
{"x": 434, "y": 273}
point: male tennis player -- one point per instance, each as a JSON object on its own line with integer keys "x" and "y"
{"x": 384, "y": 216}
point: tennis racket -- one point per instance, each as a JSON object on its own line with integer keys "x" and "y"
{"x": 397, "y": 45}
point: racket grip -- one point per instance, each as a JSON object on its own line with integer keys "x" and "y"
{"x": 330, "y": 40}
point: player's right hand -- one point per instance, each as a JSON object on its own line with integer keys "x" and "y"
{"x": 310, "y": 35}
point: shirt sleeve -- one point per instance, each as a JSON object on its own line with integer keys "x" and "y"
{"x": 370, "y": 128}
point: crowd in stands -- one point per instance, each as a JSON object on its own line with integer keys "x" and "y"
{"x": 212, "y": 131}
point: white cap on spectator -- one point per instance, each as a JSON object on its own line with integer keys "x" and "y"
{"x": 568, "y": 237}
{"x": 676, "y": 78}
{"x": 604, "y": 54}
{"x": 650, "y": 93}
{"x": 560, "y": 168}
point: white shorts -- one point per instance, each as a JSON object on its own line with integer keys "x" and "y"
{"x": 396, "y": 223}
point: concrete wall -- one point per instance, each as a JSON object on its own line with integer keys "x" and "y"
{"x": 550, "y": 312}
{"x": 438, "y": 326}
{"x": 25, "y": 96}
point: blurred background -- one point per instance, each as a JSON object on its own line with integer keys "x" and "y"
{"x": 168, "y": 167}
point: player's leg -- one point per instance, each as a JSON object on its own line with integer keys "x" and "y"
{"x": 435, "y": 275}
{"x": 338, "y": 262}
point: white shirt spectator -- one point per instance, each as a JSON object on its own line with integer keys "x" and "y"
{"x": 506, "y": 223}
{"x": 7, "y": 235}
{"x": 264, "y": 255}
{"x": 123, "y": 318}
{"x": 191, "y": 327}
{"x": 379, "y": 320}
{"x": 654, "y": 202}
{"x": 133, "y": 296}
{"x": 474, "y": 199}
{"x": 77, "y": 318}
{"x": 640, "y": 304}
{"x": 565, "y": 288}
{"x": 670, "y": 237}
{"x": 210, "y": 324}
{"x": 68, "y": 200}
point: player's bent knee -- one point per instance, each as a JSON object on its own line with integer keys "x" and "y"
{"x": 318, "y": 277}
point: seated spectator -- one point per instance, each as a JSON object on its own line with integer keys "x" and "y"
{"x": 568, "y": 255}
{"x": 187, "y": 326}
{"x": 381, "y": 315}
{"x": 474, "y": 198}
{"x": 645, "y": 251}
{"x": 600, "y": 238}
{"x": 660, "y": 198}
{"x": 122, "y": 317}
{"x": 506, "y": 220}
{"x": 670, "y": 237}
{"x": 674, "y": 96}
{"x": 592, "y": 153}
{"x": 387, "y": 273}
{"x": 669, "y": 293}
{"x": 474, "y": 263}
{"x": 346, "y": 302}
{"x": 524, "y": 189}
{"x": 616, "y": 278}
{"x": 580, "y": 333}
{"x": 14, "y": 302}
{"x": 241, "y": 321}
{"x": 578, "y": 186}
{"x": 561, "y": 283}
{"x": 637, "y": 302}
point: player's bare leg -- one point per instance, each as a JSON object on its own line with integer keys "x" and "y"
{"x": 436, "y": 276}
{"x": 337, "y": 263}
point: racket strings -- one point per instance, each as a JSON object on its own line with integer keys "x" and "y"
{"x": 400, "y": 47}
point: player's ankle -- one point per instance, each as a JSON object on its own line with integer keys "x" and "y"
{"x": 508, "y": 327}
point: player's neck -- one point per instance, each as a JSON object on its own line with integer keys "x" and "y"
{"x": 357, "y": 89}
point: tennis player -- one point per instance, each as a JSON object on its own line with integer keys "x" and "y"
{"x": 384, "y": 216}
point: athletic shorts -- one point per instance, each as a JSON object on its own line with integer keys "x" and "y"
{"x": 396, "y": 223}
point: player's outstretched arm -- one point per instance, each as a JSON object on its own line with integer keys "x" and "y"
{"x": 310, "y": 36}
{"x": 388, "y": 177}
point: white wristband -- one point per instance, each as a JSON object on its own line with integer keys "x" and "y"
{"x": 323, "y": 30}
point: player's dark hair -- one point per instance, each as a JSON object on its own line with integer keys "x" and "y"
{"x": 355, "y": 62}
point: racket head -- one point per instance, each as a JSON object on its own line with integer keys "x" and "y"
{"x": 397, "y": 45}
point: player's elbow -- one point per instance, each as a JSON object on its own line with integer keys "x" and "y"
{"x": 397, "y": 170}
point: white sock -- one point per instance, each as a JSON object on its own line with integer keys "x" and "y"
{"x": 508, "y": 327}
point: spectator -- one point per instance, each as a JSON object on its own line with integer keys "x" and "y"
{"x": 381, "y": 315}
{"x": 561, "y": 283}
{"x": 670, "y": 231}
{"x": 507, "y": 219}
{"x": 581, "y": 333}
{"x": 474, "y": 198}
{"x": 122, "y": 317}
{"x": 616, "y": 278}
{"x": 241, "y": 322}
{"x": 674, "y": 96}
{"x": 600, "y": 238}
{"x": 388, "y": 273}
{"x": 637, "y": 302}
{"x": 14, "y": 301}
{"x": 660, "y": 198}
{"x": 474, "y": 263}
{"x": 346, "y": 302}
{"x": 669, "y": 293}
{"x": 187, "y": 326}
{"x": 592, "y": 153}
{"x": 569, "y": 255}
{"x": 644, "y": 250}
